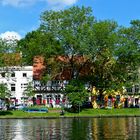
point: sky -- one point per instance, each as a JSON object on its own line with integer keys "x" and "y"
{"x": 18, "y": 17}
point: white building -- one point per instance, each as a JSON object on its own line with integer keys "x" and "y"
{"x": 16, "y": 78}
{"x": 50, "y": 93}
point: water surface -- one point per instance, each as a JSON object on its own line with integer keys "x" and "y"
{"x": 71, "y": 129}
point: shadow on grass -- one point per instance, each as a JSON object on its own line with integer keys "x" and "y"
{"x": 2, "y": 113}
{"x": 73, "y": 109}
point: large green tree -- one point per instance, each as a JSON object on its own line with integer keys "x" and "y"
{"x": 71, "y": 27}
{"x": 100, "y": 50}
{"x": 114, "y": 55}
{"x": 111, "y": 52}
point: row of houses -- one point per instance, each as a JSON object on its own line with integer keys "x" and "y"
{"x": 17, "y": 79}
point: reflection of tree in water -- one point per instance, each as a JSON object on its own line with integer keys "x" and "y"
{"x": 111, "y": 125}
{"x": 115, "y": 128}
{"x": 80, "y": 129}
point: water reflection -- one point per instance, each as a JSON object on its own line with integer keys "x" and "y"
{"x": 70, "y": 129}
{"x": 116, "y": 128}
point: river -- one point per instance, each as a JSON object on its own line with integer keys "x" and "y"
{"x": 71, "y": 129}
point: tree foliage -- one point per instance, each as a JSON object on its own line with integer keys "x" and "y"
{"x": 71, "y": 32}
{"x": 29, "y": 91}
{"x": 9, "y": 53}
{"x": 4, "y": 92}
{"x": 77, "y": 94}
{"x": 69, "y": 27}
{"x": 38, "y": 43}
{"x": 100, "y": 50}
{"x": 115, "y": 56}
{"x": 111, "y": 53}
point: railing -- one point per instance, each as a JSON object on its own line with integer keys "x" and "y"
{"x": 50, "y": 86}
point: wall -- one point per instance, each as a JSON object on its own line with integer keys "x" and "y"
{"x": 20, "y": 76}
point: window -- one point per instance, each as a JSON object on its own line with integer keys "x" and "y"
{"x": 136, "y": 88}
{"x": 57, "y": 99}
{"x": 13, "y": 88}
{"x": 129, "y": 90}
{"x": 13, "y": 75}
{"x": 3, "y": 74}
{"x": 24, "y": 85}
{"x": 49, "y": 99}
{"x": 24, "y": 74}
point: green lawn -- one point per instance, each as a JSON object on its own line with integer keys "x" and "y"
{"x": 84, "y": 113}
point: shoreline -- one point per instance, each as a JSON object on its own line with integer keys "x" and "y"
{"x": 70, "y": 117}
{"x": 56, "y": 113}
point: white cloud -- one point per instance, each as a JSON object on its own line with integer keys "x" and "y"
{"x": 60, "y": 4}
{"x": 51, "y": 3}
{"x": 18, "y": 3}
{"x": 10, "y": 35}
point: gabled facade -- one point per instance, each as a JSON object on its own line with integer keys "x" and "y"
{"x": 51, "y": 93}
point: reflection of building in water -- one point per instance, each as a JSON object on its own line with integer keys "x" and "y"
{"x": 133, "y": 128}
{"x": 19, "y": 132}
{"x": 58, "y": 130}
{"x": 6, "y": 129}
{"x": 12, "y": 130}
{"x": 23, "y": 129}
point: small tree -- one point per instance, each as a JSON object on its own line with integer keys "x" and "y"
{"x": 77, "y": 94}
{"x": 4, "y": 92}
{"x": 29, "y": 91}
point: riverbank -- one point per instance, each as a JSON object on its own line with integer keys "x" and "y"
{"x": 55, "y": 113}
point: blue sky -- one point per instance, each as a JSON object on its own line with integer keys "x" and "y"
{"x": 22, "y": 16}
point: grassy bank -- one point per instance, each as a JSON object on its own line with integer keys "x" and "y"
{"x": 83, "y": 113}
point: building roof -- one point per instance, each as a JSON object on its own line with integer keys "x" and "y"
{"x": 66, "y": 73}
{"x": 38, "y": 67}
